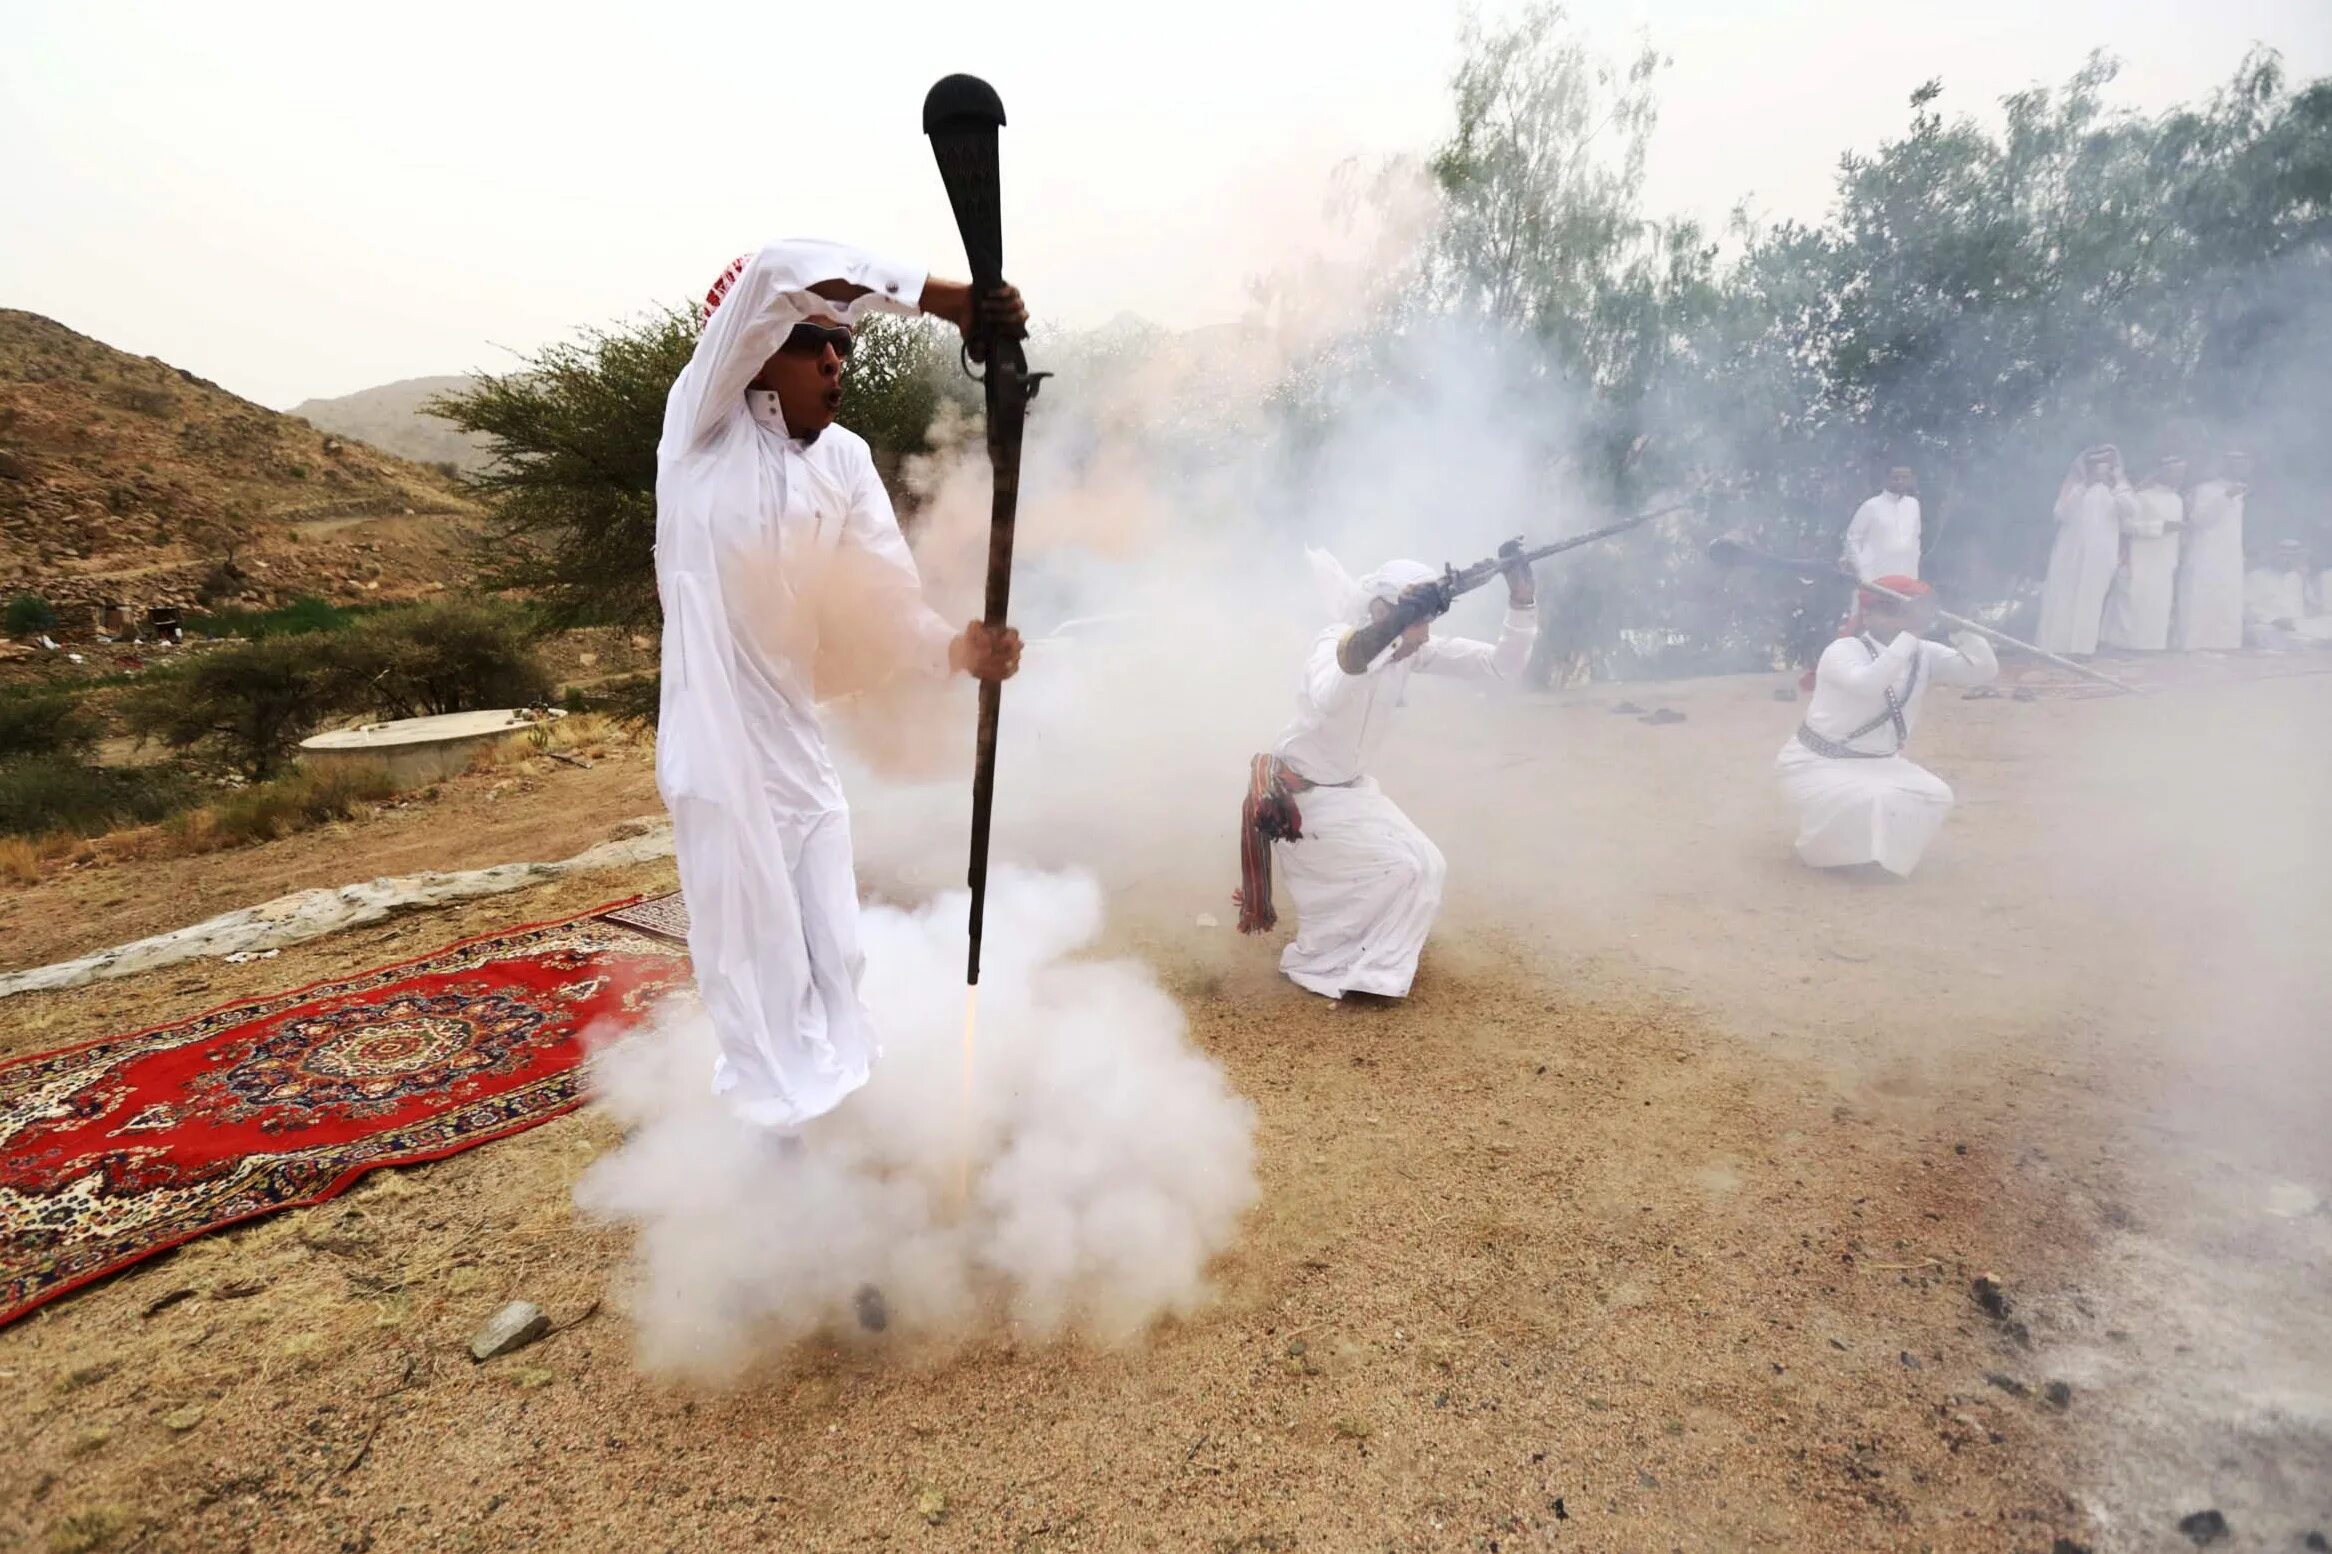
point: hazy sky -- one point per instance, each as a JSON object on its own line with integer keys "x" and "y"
{"x": 309, "y": 199}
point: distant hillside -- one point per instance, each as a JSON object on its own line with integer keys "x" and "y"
{"x": 124, "y": 478}
{"x": 390, "y": 417}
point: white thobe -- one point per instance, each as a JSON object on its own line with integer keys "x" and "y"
{"x": 2272, "y": 595}
{"x": 1875, "y": 806}
{"x": 2210, "y": 570}
{"x": 760, "y": 537}
{"x": 2082, "y": 564}
{"x": 2137, "y": 610}
{"x": 1883, "y": 539}
{"x": 1365, "y": 881}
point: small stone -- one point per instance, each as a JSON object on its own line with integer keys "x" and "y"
{"x": 184, "y": 1419}
{"x": 874, "y": 1313}
{"x": 1626, "y": 709}
{"x": 512, "y": 1328}
{"x": 2008, "y": 1384}
{"x": 2059, "y": 1394}
{"x": 1662, "y": 716}
{"x": 2203, "y": 1527}
{"x": 931, "y": 1504}
{"x": 1992, "y": 1296}
{"x": 2289, "y": 1200}
{"x": 2068, "y": 1546}
{"x": 2316, "y": 1542}
{"x": 1910, "y": 1361}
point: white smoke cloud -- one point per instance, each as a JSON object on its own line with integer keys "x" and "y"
{"x": 1081, "y": 1183}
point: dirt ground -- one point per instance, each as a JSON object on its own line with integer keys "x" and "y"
{"x": 1647, "y": 1223}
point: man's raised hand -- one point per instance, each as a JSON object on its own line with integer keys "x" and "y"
{"x": 1001, "y": 311}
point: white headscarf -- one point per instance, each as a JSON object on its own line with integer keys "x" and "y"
{"x": 1348, "y": 599}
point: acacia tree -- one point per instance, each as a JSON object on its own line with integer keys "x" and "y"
{"x": 571, "y": 487}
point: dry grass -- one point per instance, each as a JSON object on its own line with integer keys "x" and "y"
{"x": 20, "y": 859}
{"x": 299, "y": 801}
{"x": 587, "y": 736}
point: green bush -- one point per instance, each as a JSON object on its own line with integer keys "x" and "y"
{"x": 44, "y": 794}
{"x": 27, "y": 614}
{"x": 46, "y": 724}
{"x": 245, "y": 707}
{"x": 634, "y": 699}
{"x": 450, "y": 656}
{"x": 304, "y": 616}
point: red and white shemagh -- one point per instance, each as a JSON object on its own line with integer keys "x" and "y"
{"x": 720, "y": 288}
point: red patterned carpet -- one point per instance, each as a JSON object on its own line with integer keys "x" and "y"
{"x": 113, "y": 1151}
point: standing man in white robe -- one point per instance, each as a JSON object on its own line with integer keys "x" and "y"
{"x": 2283, "y": 602}
{"x": 1859, "y": 800}
{"x": 2093, "y": 503}
{"x": 2137, "y": 608}
{"x": 2210, "y": 561}
{"x": 767, "y": 514}
{"x": 1365, "y": 880}
{"x": 1883, "y": 538}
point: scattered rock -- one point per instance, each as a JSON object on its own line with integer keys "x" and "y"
{"x": 2068, "y": 1546}
{"x": 2204, "y": 1527}
{"x": 512, "y": 1328}
{"x": 2025, "y": 693}
{"x": 184, "y": 1419}
{"x": 1626, "y": 709}
{"x": 1910, "y": 1361}
{"x": 2316, "y": 1541}
{"x": 2059, "y": 1394}
{"x": 2008, "y": 1384}
{"x": 1992, "y": 1296}
{"x": 931, "y": 1504}
{"x": 1663, "y": 715}
{"x": 241, "y": 1289}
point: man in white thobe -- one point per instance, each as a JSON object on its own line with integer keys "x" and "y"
{"x": 2283, "y": 602}
{"x": 2210, "y": 561}
{"x": 1365, "y": 880}
{"x": 769, "y": 521}
{"x": 2137, "y": 608}
{"x": 1859, "y": 800}
{"x": 1883, "y": 538}
{"x": 2093, "y": 503}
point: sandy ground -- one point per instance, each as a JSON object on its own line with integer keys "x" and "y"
{"x": 1647, "y": 1223}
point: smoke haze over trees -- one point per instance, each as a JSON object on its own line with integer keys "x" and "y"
{"x": 1984, "y": 298}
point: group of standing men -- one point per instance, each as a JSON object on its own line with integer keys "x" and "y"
{"x": 2147, "y": 567}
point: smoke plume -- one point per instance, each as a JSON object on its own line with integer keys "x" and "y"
{"x": 1078, "y": 1183}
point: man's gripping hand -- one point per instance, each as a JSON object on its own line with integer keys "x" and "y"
{"x": 985, "y": 652}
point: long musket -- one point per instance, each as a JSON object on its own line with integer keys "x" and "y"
{"x": 1733, "y": 549}
{"x": 961, "y": 114}
{"x": 1455, "y": 581}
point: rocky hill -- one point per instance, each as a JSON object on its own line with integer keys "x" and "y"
{"x": 126, "y": 480}
{"x": 390, "y": 417}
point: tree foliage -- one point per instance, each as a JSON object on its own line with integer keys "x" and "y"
{"x": 1979, "y": 303}
{"x": 572, "y": 433}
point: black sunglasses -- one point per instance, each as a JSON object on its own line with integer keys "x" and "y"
{"x": 810, "y": 339}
